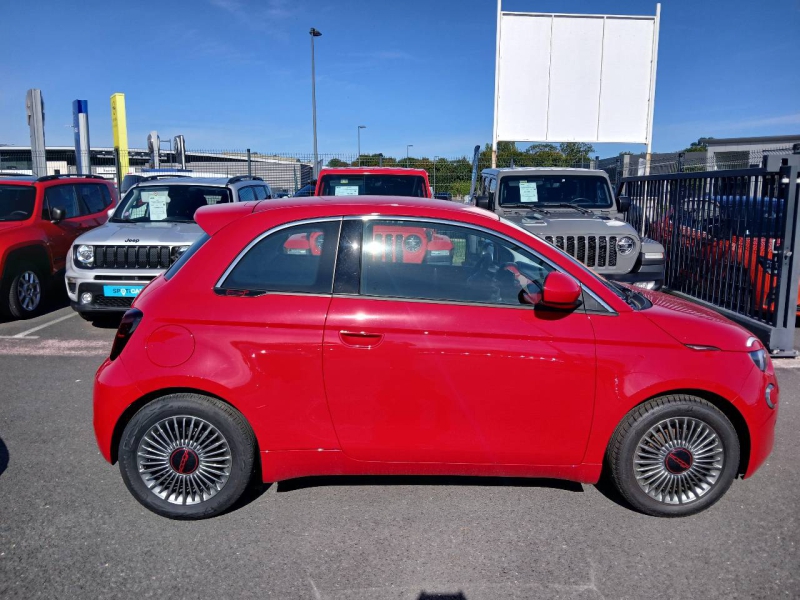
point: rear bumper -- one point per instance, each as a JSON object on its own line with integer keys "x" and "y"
{"x": 114, "y": 392}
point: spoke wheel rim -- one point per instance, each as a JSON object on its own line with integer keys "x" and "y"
{"x": 29, "y": 291}
{"x": 678, "y": 460}
{"x": 184, "y": 460}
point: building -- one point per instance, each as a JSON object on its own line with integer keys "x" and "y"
{"x": 280, "y": 172}
{"x": 743, "y": 152}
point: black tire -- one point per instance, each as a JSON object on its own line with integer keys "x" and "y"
{"x": 240, "y": 464}
{"x": 16, "y": 277}
{"x": 622, "y": 451}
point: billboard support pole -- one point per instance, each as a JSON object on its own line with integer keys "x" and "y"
{"x": 651, "y": 104}
{"x": 119, "y": 126}
{"x": 496, "y": 84}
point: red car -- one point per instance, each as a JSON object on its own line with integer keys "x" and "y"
{"x": 244, "y": 360}
{"x": 39, "y": 220}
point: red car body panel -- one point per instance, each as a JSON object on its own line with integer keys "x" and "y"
{"x": 344, "y": 384}
{"x": 37, "y": 232}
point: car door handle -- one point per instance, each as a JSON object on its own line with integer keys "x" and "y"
{"x": 362, "y": 339}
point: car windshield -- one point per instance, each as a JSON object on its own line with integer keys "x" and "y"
{"x": 16, "y": 202}
{"x": 535, "y": 189}
{"x": 374, "y": 185}
{"x": 171, "y": 203}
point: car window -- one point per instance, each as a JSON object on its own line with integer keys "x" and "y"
{"x": 91, "y": 198}
{"x": 16, "y": 202}
{"x": 294, "y": 259}
{"x": 374, "y": 185}
{"x": 168, "y": 202}
{"x": 261, "y": 192}
{"x": 410, "y": 259}
{"x": 106, "y": 195}
{"x": 63, "y": 197}
{"x": 246, "y": 194}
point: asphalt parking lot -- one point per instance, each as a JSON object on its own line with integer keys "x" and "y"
{"x": 69, "y": 527}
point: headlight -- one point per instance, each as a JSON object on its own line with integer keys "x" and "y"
{"x": 760, "y": 359}
{"x": 85, "y": 254}
{"x": 626, "y": 244}
{"x": 177, "y": 251}
{"x": 413, "y": 243}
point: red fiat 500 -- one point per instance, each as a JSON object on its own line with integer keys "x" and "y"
{"x": 510, "y": 358}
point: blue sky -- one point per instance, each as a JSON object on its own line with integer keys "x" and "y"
{"x": 232, "y": 74}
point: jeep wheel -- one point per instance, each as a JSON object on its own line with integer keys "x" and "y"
{"x": 186, "y": 456}
{"x": 23, "y": 292}
{"x": 674, "y": 456}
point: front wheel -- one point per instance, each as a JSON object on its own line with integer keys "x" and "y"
{"x": 23, "y": 292}
{"x": 674, "y": 456}
{"x": 186, "y": 456}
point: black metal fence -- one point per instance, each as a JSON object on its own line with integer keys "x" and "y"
{"x": 730, "y": 238}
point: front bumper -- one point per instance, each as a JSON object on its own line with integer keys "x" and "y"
{"x": 644, "y": 270}
{"x": 93, "y": 281}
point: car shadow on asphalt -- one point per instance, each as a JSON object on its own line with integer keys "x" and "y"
{"x": 3, "y": 456}
{"x": 429, "y": 596}
{"x": 291, "y": 485}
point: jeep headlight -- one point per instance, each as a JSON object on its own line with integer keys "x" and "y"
{"x": 85, "y": 254}
{"x": 626, "y": 244}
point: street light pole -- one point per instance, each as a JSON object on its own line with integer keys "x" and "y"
{"x": 360, "y": 127}
{"x": 407, "y": 147}
{"x": 314, "y": 33}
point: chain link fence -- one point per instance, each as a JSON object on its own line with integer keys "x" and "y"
{"x": 289, "y": 172}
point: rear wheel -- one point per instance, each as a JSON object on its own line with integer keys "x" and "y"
{"x": 186, "y": 456}
{"x": 23, "y": 291}
{"x": 674, "y": 456}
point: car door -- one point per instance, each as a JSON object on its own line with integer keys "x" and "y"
{"x": 269, "y": 309}
{"x": 433, "y": 358}
{"x": 76, "y": 221}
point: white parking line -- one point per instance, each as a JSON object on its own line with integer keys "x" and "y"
{"x": 9, "y": 347}
{"x": 24, "y": 335}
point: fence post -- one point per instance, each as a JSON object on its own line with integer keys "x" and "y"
{"x": 249, "y": 164}
{"x": 681, "y": 161}
{"x": 782, "y": 338}
{"x": 617, "y": 172}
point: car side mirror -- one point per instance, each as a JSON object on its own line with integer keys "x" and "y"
{"x": 560, "y": 291}
{"x": 482, "y": 202}
{"x": 624, "y": 203}
{"x": 56, "y": 215}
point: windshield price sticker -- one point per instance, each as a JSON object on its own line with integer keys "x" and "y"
{"x": 158, "y": 209}
{"x": 346, "y": 190}
{"x": 528, "y": 192}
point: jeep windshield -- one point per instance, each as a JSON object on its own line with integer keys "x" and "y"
{"x": 537, "y": 190}
{"x": 374, "y": 185}
{"x": 16, "y": 202}
{"x": 167, "y": 203}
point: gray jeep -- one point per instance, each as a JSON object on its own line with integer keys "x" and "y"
{"x": 576, "y": 211}
{"x": 150, "y": 228}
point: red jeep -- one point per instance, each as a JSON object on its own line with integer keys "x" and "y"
{"x": 373, "y": 181}
{"x": 39, "y": 220}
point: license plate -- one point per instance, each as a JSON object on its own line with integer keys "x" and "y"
{"x": 122, "y": 291}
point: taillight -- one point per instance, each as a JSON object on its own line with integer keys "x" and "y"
{"x": 130, "y": 321}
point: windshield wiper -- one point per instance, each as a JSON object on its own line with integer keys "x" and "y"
{"x": 538, "y": 209}
{"x": 580, "y": 209}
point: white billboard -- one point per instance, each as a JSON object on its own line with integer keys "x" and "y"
{"x": 575, "y": 78}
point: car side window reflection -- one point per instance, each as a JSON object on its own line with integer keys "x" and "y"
{"x": 295, "y": 259}
{"x": 420, "y": 260}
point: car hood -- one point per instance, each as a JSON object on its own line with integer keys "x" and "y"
{"x": 569, "y": 223}
{"x": 10, "y": 225}
{"x": 690, "y": 323}
{"x": 156, "y": 234}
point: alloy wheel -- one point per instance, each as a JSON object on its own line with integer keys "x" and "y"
{"x": 29, "y": 291}
{"x": 678, "y": 460}
{"x": 184, "y": 460}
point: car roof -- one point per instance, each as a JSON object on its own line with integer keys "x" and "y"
{"x": 18, "y": 179}
{"x": 548, "y": 170}
{"x": 207, "y": 181}
{"x": 373, "y": 171}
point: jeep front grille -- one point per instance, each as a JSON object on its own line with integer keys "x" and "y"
{"x": 132, "y": 257}
{"x": 591, "y": 250}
